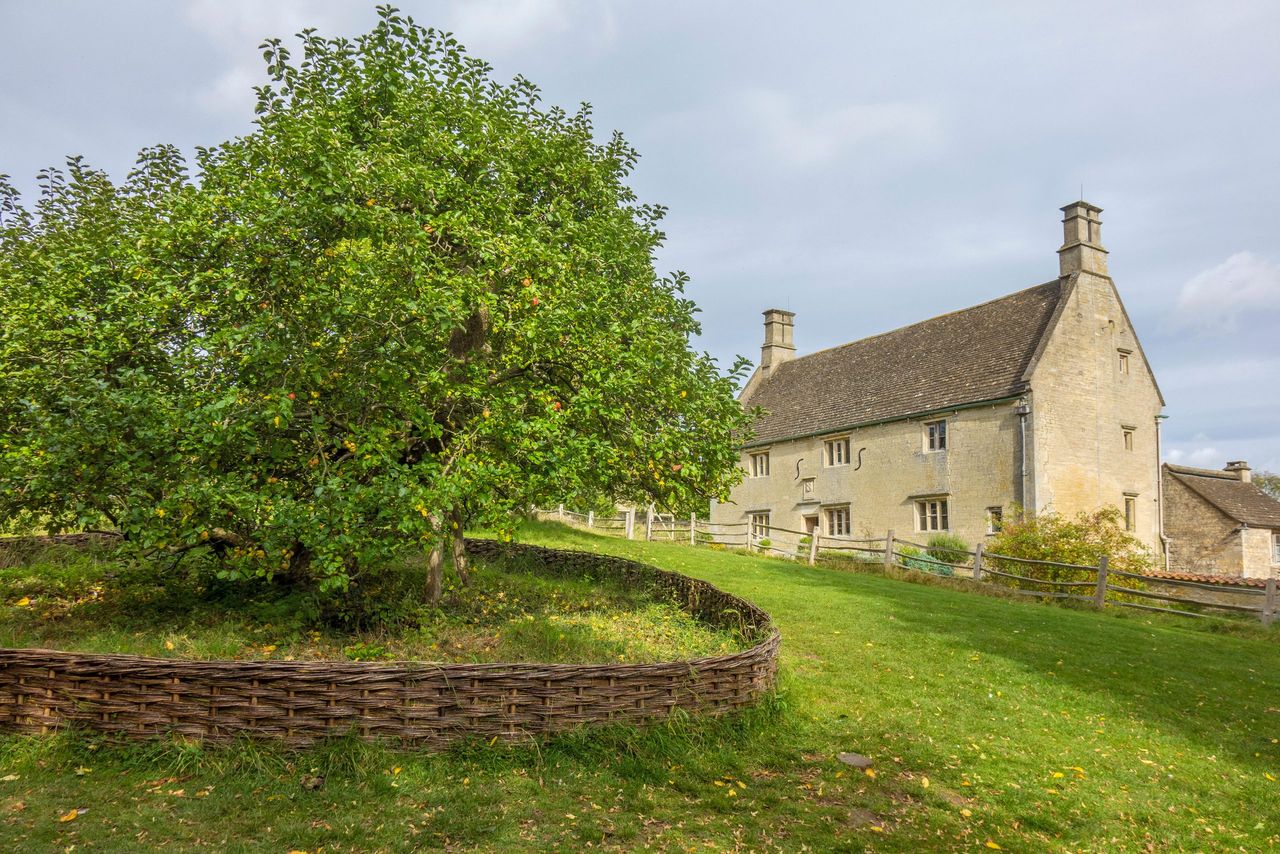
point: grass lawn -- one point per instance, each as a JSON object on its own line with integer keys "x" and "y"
{"x": 991, "y": 722}
{"x": 84, "y": 600}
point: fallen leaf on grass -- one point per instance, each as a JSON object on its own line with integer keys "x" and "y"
{"x": 9, "y": 778}
{"x": 72, "y": 815}
{"x": 924, "y": 782}
{"x": 23, "y": 602}
{"x": 993, "y": 846}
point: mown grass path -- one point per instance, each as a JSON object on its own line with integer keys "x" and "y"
{"x": 991, "y": 723}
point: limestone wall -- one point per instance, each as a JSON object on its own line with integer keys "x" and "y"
{"x": 1201, "y": 537}
{"x": 1256, "y": 552}
{"x": 978, "y": 470}
{"x": 1081, "y": 403}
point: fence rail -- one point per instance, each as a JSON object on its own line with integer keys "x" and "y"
{"x": 979, "y": 566}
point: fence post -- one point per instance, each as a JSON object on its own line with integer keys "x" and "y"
{"x": 591, "y": 518}
{"x": 648, "y": 524}
{"x": 631, "y": 522}
{"x": 560, "y": 511}
{"x": 888, "y": 549}
{"x": 1269, "y": 604}
{"x": 1100, "y": 595}
{"x": 813, "y": 546}
{"x": 977, "y": 562}
{"x": 693, "y": 529}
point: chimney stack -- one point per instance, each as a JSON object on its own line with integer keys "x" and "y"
{"x": 778, "y": 345}
{"x": 1241, "y": 470}
{"x": 1082, "y": 250}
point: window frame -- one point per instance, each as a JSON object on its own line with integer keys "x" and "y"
{"x": 755, "y": 527}
{"x": 935, "y": 435}
{"x": 754, "y": 468}
{"x": 932, "y": 514}
{"x": 1131, "y": 512}
{"x": 995, "y": 520}
{"x": 1122, "y": 360}
{"x": 1127, "y": 435}
{"x": 828, "y": 452}
{"x": 847, "y": 519}
{"x": 1275, "y": 547}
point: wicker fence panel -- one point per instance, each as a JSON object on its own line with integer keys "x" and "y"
{"x": 423, "y": 704}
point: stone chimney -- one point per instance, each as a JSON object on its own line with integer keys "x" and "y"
{"x": 778, "y": 346}
{"x": 1241, "y": 470}
{"x": 1082, "y": 250}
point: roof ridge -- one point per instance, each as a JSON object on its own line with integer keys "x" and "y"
{"x": 1199, "y": 472}
{"x": 983, "y": 304}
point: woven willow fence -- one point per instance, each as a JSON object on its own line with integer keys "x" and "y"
{"x": 423, "y": 704}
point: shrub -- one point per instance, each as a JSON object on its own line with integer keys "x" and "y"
{"x": 948, "y": 548}
{"x": 918, "y": 559}
{"x": 1080, "y": 540}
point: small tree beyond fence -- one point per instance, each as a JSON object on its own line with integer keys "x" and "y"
{"x": 1098, "y": 584}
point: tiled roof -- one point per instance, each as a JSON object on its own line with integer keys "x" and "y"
{"x": 1244, "y": 502}
{"x": 1206, "y": 578}
{"x": 969, "y": 356}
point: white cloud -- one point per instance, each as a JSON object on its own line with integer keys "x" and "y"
{"x": 237, "y": 27}
{"x": 485, "y": 27}
{"x": 1216, "y": 299}
{"x": 500, "y": 25}
{"x": 817, "y": 138}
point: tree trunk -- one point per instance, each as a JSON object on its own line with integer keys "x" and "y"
{"x": 459, "y": 546}
{"x": 435, "y": 573}
{"x": 299, "y": 572}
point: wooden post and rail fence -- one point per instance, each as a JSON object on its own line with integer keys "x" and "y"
{"x": 1099, "y": 585}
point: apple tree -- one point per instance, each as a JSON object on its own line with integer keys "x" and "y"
{"x": 413, "y": 297}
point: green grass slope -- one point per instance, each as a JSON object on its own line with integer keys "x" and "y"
{"x": 992, "y": 723}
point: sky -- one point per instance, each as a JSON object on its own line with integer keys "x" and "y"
{"x": 865, "y": 165}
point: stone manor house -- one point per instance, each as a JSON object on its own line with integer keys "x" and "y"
{"x": 1041, "y": 399}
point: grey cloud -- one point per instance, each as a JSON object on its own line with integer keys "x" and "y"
{"x": 865, "y": 164}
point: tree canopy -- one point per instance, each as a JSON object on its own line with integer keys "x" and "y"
{"x": 411, "y": 294}
{"x": 1268, "y": 482}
